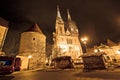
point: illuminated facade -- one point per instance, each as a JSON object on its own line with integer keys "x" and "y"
{"x": 66, "y": 38}
{"x": 112, "y": 49}
{"x": 33, "y": 43}
{"x": 3, "y": 33}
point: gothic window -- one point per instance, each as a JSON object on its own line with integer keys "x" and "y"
{"x": 60, "y": 29}
{"x": 70, "y": 49}
{"x": 69, "y": 41}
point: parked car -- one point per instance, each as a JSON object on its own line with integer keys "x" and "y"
{"x": 9, "y": 64}
{"x": 93, "y": 61}
{"x": 62, "y": 62}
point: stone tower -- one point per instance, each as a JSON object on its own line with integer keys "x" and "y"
{"x": 33, "y": 42}
{"x": 66, "y": 43}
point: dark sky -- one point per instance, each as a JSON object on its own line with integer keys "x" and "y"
{"x": 97, "y": 19}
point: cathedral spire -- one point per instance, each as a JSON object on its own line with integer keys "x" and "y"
{"x": 72, "y": 27}
{"x": 58, "y": 12}
{"x": 58, "y": 17}
{"x": 59, "y": 23}
{"x": 69, "y": 17}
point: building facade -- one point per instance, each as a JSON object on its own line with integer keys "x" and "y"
{"x": 66, "y": 38}
{"x": 3, "y": 33}
{"x": 33, "y": 46}
{"x": 112, "y": 49}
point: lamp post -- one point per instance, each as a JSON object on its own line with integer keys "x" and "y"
{"x": 84, "y": 41}
{"x": 29, "y": 57}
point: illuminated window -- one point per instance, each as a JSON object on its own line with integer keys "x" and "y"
{"x": 69, "y": 41}
{"x": 60, "y": 29}
{"x": 70, "y": 49}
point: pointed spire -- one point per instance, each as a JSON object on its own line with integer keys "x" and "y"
{"x": 59, "y": 23}
{"x": 71, "y": 24}
{"x": 69, "y": 17}
{"x": 58, "y": 17}
{"x": 58, "y": 12}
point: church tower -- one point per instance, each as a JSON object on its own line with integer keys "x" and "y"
{"x": 59, "y": 23}
{"x": 72, "y": 35}
{"x": 58, "y": 35}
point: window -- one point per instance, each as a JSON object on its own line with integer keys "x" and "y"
{"x": 69, "y": 41}
{"x": 60, "y": 29}
{"x": 5, "y": 62}
{"x": 33, "y": 38}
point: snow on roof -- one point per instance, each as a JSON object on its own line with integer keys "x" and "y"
{"x": 93, "y": 54}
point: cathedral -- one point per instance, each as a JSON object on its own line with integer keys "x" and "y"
{"x": 66, "y": 38}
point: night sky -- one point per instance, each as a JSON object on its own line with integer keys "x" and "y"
{"x": 96, "y": 19}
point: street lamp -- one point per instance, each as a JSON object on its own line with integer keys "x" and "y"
{"x": 84, "y": 41}
{"x": 29, "y": 57}
{"x": 118, "y": 51}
